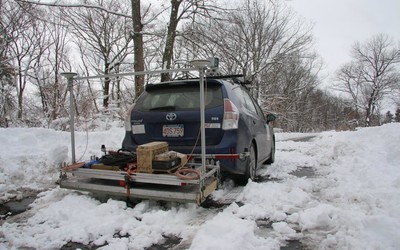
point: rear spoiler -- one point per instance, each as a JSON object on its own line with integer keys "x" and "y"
{"x": 192, "y": 82}
{"x": 238, "y": 79}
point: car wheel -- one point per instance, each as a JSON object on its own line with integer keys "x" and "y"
{"x": 251, "y": 169}
{"x": 272, "y": 157}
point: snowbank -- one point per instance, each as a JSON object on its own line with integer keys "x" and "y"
{"x": 31, "y": 157}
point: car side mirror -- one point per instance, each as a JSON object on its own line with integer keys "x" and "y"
{"x": 271, "y": 118}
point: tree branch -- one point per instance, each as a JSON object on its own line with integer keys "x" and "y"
{"x": 88, "y": 6}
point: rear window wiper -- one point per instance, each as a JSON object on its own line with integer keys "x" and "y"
{"x": 163, "y": 108}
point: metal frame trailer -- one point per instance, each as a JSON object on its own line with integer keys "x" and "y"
{"x": 166, "y": 187}
{"x": 163, "y": 186}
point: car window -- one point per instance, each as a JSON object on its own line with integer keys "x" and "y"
{"x": 249, "y": 102}
{"x": 179, "y": 98}
{"x": 259, "y": 110}
{"x": 246, "y": 99}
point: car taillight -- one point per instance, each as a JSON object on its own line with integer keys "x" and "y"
{"x": 231, "y": 116}
{"x": 128, "y": 125}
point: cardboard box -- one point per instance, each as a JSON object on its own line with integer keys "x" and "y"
{"x": 146, "y": 154}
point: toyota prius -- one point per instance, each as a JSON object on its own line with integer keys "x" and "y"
{"x": 234, "y": 122}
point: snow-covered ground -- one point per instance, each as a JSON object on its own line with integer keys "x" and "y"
{"x": 352, "y": 201}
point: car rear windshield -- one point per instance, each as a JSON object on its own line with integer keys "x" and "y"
{"x": 179, "y": 97}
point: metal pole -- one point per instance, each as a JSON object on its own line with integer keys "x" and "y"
{"x": 69, "y": 76}
{"x": 202, "y": 65}
{"x": 136, "y": 73}
{"x": 72, "y": 116}
{"x": 202, "y": 121}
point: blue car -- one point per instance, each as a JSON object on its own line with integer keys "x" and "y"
{"x": 234, "y": 123}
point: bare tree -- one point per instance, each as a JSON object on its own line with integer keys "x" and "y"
{"x": 272, "y": 48}
{"x": 138, "y": 45}
{"x": 170, "y": 39}
{"x": 254, "y": 38}
{"x": 27, "y": 46}
{"x": 46, "y": 73}
{"x": 372, "y": 75}
{"x": 85, "y": 68}
{"x": 8, "y": 24}
{"x": 106, "y": 36}
{"x": 136, "y": 33}
{"x": 287, "y": 87}
{"x": 179, "y": 10}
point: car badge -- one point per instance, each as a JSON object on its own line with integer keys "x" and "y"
{"x": 171, "y": 116}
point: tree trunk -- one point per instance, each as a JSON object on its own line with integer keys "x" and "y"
{"x": 169, "y": 43}
{"x": 106, "y": 86}
{"x": 20, "y": 95}
{"x": 370, "y": 108}
{"x": 138, "y": 46}
{"x": 20, "y": 106}
{"x": 92, "y": 95}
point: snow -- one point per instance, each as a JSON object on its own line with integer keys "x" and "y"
{"x": 351, "y": 200}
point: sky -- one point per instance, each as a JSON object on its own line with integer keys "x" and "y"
{"x": 351, "y": 201}
{"x": 338, "y": 24}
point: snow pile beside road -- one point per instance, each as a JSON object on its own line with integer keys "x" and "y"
{"x": 31, "y": 157}
{"x": 352, "y": 201}
{"x": 362, "y": 188}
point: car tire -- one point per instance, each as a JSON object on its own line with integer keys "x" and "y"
{"x": 251, "y": 169}
{"x": 272, "y": 156}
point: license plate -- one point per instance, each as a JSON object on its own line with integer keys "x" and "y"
{"x": 175, "y": 130}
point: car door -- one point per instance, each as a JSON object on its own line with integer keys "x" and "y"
{"x": 258, "y": 125}
{"x": 267, "y": 134}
